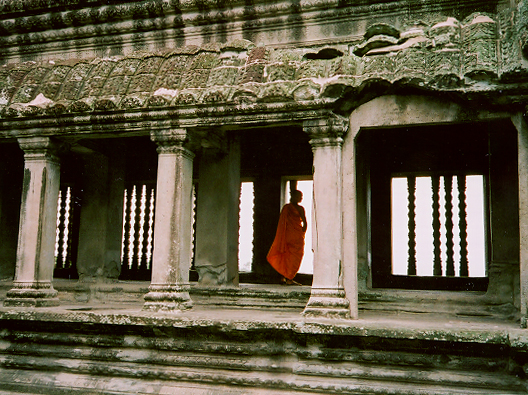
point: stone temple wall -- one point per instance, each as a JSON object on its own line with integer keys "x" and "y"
{"x": 192, "y": 77}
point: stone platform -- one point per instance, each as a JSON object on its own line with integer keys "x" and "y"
{"x": 253, "y": 340}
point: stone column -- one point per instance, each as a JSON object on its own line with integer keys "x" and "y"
{"x": 267, "y": 190}
{"x": 38, "y": 223}
{"x": 114, "y": 222}
{"x": 10, "y": 191}
{"x": 94, "y": 211}
{"x": 522, "y": 147}
{"x": 101, "y": 217}
{"x": 327, "y": 298}
{"x": 217, "y": 216}
{"x": 171, "y": 260}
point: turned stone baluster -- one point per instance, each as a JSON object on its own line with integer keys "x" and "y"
{"x": 145, "y": 202}
{"x": 462, "y": 225}
{"x": 150, "y": 232}
{"x": 411, "y": 256}
{"x": 450, "y": 263}
{"x": 125, "y": 269}
{"x": 71, "y": 214}
{"x": 437, "y": 260}
{"x": 60, "y": 259}
{"x": 136, "y": 248}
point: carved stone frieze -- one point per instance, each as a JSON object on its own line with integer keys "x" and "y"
{"x": 443, "y": 55}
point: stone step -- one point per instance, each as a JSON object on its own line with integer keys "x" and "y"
{"x": 311, "y": 378}
{"x": 157, "y": 358}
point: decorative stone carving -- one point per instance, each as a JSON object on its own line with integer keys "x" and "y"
{"x": 312, "y": 69}
{"x": 306, "y": 92}
{"x": 479, "y": 38}
{"x": 445, "y": 34}
{"x": 280, "y": 72}
{"x": 215, "y": 96}
{"x": 125, "y": 67}
{"x": 275, "y": 93}
{"x": 142, "y": 83}
{"x": 74, "y": 81}
{"x": 444, "y": 55}
{"x": 195, "y": 78}
{"x": 223, "y": 76}
{"x": 378, "y": 36}
{"x": 116, "y": 85}
{"x": 255, "y": 64}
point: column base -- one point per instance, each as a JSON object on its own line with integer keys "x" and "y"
{"x": 327, "y": 303}
{"x": 172, "y": 298}
{"x": 32, "y": 295}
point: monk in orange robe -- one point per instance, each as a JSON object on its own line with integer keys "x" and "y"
{"x": 286, "y": 252}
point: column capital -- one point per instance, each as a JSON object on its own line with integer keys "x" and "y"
{"x": 326, "y": 131}
{"x": 40, "y": 147}
{"x": 175, "y": 140}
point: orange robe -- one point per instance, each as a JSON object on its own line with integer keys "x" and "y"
{"x": 286, "y": 252}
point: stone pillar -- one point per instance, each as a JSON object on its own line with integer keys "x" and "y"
{"x": 503, "y": 266}
{"x": 114, "y": 222}
{"x": 267, "y": 190}
{"x": 169, "y": 289}
{"x": 522, "y": 147}
{"x": 10, "y": 190}
{"x": 101, "y": 219}
{"x": 94, "y": 210}
{"x": 217, "y": 217}
{"x": 327, "y": 298}
{"x": 38, "y": 223}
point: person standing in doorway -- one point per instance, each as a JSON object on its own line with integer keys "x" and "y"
{"x": 286, "y": 252}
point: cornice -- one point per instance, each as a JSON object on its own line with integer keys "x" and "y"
{"x": 157, "y": 122}
{"x": 79, "y": 12}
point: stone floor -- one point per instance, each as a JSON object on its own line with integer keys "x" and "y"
{"x": 440, "y": 315}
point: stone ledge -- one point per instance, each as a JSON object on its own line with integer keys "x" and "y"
{"x": 258, "y": 349}
{"x": 426, "y": 327}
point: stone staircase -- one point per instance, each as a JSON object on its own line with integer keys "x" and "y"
{"x": 253, "y": 340}
{"x": 221, "y": 351}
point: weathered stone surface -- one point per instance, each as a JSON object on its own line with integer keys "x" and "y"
{"x": 446, "y": 56}
{"x": 32, "y": 285}
{"x": 127, "y": 350}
